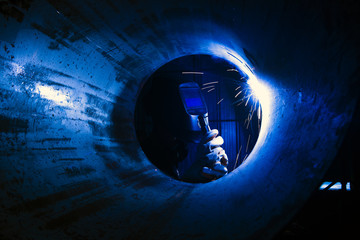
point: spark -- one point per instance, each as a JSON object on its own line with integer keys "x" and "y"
{"x": 199, "y": 73}
{"x": 245, "y": 157}
{"x": 232, "y": 70}
{"x": 248, "y": 123}
{"x": 237, "y": 88}
{"x": 207, "y": 87}
{"x": 237, "y": 157}
{"x": 239, "y": 103}
{"x": 210, "y": 83}
{"x": 260, "y": 88}
{"x": 251, "y": 109}
{"x": 252, "y": 113}
{"x": 247, "y": 145}
{"x": 220, "y": 101}
{"x": 238, "y": 93}
{"x": 245, "y": 121}
{"x": 248, "y": 99}
{"x": 211, "y": 89}
{"x": 240, "y": 100}
{"x": 236, "y": 57}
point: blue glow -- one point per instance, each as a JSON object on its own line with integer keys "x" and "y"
{"x": 193, "y": 102}
{"x": 324, "y": 185}
{"x": 259, "y": 88}
{"x": 336, "y": 186}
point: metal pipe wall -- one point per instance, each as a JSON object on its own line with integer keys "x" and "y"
{"x": 71, "y": 166}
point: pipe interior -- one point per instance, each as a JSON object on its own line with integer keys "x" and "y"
{"x": 71, "y": 164}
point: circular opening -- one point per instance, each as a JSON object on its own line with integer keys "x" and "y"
{"x": 179, "y": 107}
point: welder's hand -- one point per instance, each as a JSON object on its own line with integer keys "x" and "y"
{"x": 211, "y": 160}
{"x": 216, "y": 159}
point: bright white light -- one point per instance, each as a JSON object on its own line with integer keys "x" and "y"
{"x": 54, "y": 95}
{"x": 17, "y": 69}
{"x": 348, "y": 186}
{"x": 260, "y": 90}
{"x": 324, "y": 185}
{"x": 336, "y": 186}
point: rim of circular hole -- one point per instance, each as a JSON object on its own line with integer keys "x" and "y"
{"x": 216, "y": 61}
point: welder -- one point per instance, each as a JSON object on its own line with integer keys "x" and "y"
{"x": 181, "y": 143}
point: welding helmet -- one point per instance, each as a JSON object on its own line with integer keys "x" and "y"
{"x": 176, "y": 107}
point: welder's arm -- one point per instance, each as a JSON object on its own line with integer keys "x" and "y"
{"x": 211, "y": 160}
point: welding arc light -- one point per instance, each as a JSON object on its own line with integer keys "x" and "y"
{"x": 259, "y": 88}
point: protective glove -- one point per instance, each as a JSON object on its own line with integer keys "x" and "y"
{"x": 210, "y": 159}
